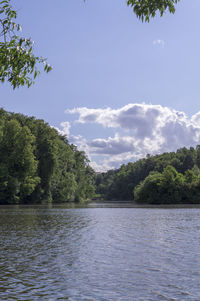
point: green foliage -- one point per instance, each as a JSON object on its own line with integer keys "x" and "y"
{"x": 18, "y": 64}
{"x": 84, "y": 176}
{"x": 169, "y": 187}
{"x": 160, "y": 188}
{"x": 39, "y": 165}
{"x": 119, "y": 184}
{"x": 146, "y": 9}
{"x": 64, "y": 182}
{"x": 148, "y": 191}
{"x": 17, "y": 165}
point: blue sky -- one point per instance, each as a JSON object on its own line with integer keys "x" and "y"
{"x": 104, "y": 57}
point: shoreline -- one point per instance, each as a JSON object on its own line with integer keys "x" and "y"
{"x": 103, "y": 204}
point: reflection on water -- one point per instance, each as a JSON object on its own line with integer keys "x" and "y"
{"x": 99, "y": 253}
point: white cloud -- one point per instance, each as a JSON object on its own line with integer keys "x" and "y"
{"x": 159, "y": 42}
{"x": 137, "y": 117}
{"x": 66, "y": 128}
{"x": 196, "y": 119}
{"x": 81, "y": 142}
{"x": 112, "y": 146}
{"x": 139, "y": 129}
{"x": 103, "y": 166}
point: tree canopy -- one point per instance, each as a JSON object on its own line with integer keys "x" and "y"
{"x": 146, "y": 9}
{"x": 38, "y": 164}
{"x": 18, "y": 64}
{"x": 167, "y": 178}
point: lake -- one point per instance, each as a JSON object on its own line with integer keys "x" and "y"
{"x": 99, "y": 253}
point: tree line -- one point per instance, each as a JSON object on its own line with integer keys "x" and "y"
{"x": 168, "y": 178}
{"x": 38, "y": 164}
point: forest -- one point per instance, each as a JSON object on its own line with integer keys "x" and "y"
{"x": 169, "y": 178}
{"x": 37, "y": 164}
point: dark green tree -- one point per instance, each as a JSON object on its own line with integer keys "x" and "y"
{"x": 160, "y": 188}
{"x": 18, "y": 166}
{"x": 84, "y": 175}
{"x": 46, "y": 154}
{"x": 37, "y": 164}
{"x": 119, "y": 184}
{"x": 64, "y": 183}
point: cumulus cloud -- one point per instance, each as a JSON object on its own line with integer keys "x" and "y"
{"x": 139, "y": 129}
{"x": 112, "y": 146}
{"x": 65, "y": 128}
{"x": 81, "y": 142}
{"x": 196, "y": 119}
{"x": 159, "y": 42}
{"x": 138, "y": 117}
{"x": 65, "y": 131}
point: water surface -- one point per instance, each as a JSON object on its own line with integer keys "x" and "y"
{"x": 89, "y": 254}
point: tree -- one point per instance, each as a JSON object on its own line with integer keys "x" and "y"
{"x": 46, "y": 154}
{"x": 146, "y": 9}
{"x": 18, "y": 165}
{"x": 18, "y": 64}
{"x": 64, "y": 182}
{"x": 84, "y": 176}
{"x": 160, "y": 188}
{"x": 37, "y": 164}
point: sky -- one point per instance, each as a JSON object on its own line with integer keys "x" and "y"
{"x": 120, "y": 89}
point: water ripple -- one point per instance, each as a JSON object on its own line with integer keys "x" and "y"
{"x": 99, "y": 254}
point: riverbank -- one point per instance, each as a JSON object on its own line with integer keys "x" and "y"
{"x": 104, "y": 204}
